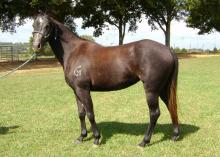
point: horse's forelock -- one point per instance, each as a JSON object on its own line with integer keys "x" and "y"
{"x": 41, "y": 17}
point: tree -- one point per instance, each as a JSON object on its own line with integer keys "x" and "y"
{"x": 119, "y": 13}
{"x": 8, "y": 14}
{"x": 14, "y": 12}
{"x": 215, "y": 50}
{"x": 160, "y": 13}
{"x": 204, "y": 15}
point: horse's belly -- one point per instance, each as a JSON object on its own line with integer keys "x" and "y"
{"x": 113, "y": 83}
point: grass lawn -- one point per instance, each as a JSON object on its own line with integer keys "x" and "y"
{"x": 38, "y": 116}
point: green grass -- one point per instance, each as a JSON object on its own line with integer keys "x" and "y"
{"x": 38, "y": 116}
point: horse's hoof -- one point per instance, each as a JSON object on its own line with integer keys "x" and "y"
{"x": 176, "y": 134}
{"x": 175, "y": 137}
{"x": 78, "y": 141}
{"x": 142, "y": 144}
{"x": 96, "y": 142}
{"x": 140, "y": 147}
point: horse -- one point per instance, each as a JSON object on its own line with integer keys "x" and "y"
{"x": 89, "y": 66}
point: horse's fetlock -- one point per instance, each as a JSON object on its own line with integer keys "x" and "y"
{"x": 84, "y": 133}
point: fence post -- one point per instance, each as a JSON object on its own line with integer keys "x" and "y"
{"x": 12, "y": 55}
{"x": 1, "y": 52}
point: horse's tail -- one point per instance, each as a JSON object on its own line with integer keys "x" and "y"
{"x": 172, "y": 92}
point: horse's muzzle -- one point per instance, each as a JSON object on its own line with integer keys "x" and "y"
{"x": 36, "y": 47}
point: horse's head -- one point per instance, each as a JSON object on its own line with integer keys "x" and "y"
{"x": 42, "y": 30}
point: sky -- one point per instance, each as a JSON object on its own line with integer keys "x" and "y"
{"x": 181, "y": 36}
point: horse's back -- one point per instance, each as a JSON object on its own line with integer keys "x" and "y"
{"x": 155, "y": 62}
{"x": 140, "y": 50}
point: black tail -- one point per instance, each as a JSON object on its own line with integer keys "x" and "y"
{"x": 172, "y": 92}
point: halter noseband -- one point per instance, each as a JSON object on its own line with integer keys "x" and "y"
{"x": 44, "y": 36}
{"x": 48, "y": 34}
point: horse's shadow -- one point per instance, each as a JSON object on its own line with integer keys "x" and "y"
{"x": 108, "y": 129}
{"x": 7, "y": 129}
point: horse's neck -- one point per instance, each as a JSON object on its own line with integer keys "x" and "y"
{"x": 62, "y": 42}
{"x": 58, "y": 50}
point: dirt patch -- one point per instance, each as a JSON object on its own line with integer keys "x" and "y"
{"x": 40, "y": 64}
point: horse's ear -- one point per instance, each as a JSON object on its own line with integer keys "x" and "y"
{"x": 35, "y": 14}
{"x": 48, "y": 12}
{"x": 40, "y": 11}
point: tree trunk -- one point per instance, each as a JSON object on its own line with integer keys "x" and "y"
{"x": 167, "y": 34}
{"x": 121, "y": 39}
{"x": 121, "y": 29}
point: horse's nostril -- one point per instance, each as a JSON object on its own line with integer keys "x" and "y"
{"x": 39, "y": 46}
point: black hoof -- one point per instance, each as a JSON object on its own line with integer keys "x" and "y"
{"x": 142, "y": 144}
{"x": 96, "y": 142}
{"x": 79, "y": 140}
{"x": 176, "y": 134}
{"x": 175, "y": 137}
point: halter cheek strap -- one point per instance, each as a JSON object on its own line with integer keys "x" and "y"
{"x": 55, "y": 27}
{"x": 46, "y": 36}
{"x": 39, "y": 32}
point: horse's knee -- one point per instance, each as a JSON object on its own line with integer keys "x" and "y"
{"x": 91, "y": 116}
{"x": 82, "y": 115}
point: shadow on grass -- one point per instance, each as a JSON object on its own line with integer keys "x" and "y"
{"x": 5, "y": 130}
{"x": 108, "y": 129}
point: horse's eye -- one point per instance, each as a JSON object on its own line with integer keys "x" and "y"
{"x": 47, "y": 27}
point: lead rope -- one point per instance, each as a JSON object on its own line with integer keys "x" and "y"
{"x": 14, "y": 70}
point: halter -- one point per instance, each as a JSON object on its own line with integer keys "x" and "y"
{"x": 44, "y": 36}
{"x": 47, "y": 35}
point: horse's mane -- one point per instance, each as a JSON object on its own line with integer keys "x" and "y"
{"x": 62, "y": 26}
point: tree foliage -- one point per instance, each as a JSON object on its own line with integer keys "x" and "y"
{"x": 160, "y": 14}
{"x": 9, "y": 10}
{"x": 204, "y": 15}
{"x": 119, "y": 13}
{"x": 14, "y": 12}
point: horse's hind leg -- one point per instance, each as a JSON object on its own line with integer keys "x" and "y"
{"x": 82, "y": 114}
{"x": 164, "y": 96}
{"x": 165, "y": 99}
{"x": 84, "y": 96}
{"x": 153, "y": 104}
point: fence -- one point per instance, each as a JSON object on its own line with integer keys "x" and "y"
{"x": 8, "y": 53}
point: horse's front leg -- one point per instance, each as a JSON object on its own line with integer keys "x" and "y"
{"x": 82, "y": 114}
{"x": 85, "y": 98}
